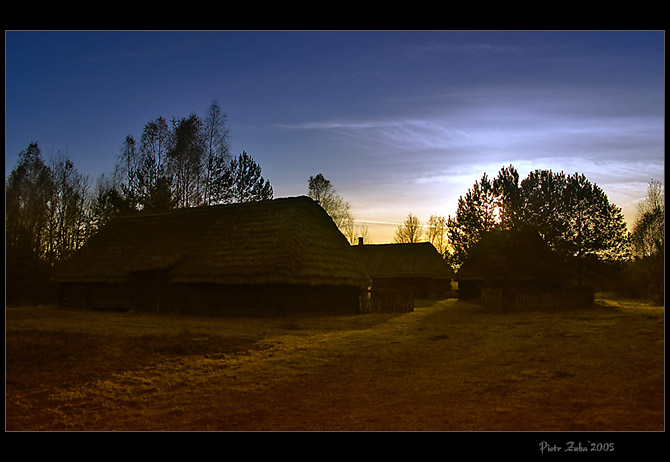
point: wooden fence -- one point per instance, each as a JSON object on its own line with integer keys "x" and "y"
{"x": 391, "y": 300}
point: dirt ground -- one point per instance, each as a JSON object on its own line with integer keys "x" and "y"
{"x": 447, "y": 366}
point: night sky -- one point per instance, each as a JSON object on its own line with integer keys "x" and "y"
{"x": 400, "y": 121}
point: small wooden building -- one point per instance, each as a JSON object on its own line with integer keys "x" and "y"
{"x": 517, "y": 270}
{"x": 259, "y": 258}
{"x": 402, "y": 272}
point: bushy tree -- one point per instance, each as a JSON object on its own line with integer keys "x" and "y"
{"x": 542, "y": 206}
{"x": 475, "y": 215}
{"x": 594, "y": 229}
{"x": 571, "y": 214}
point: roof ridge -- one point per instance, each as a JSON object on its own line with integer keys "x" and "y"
{"x": 284, "y": 240}
{"x": 205, "y": 208}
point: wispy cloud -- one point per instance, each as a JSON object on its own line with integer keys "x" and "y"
{"x": 527, "y": 134}
{"x": 446, "y": 153}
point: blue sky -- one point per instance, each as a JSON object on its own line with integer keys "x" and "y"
{"x": 400, "y": 121}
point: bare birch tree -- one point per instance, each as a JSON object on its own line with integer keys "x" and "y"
{"x": 216, "y": 173}
{"x": 409, "y": 232}
{"x": 185, "y": 161}
{"x": 322, "y": 191}
{"x": 437, "y": 233}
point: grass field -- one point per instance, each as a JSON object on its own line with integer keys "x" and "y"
{"x": 447, "y": 366}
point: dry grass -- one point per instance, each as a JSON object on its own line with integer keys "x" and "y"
{"x": 447, "y": 366}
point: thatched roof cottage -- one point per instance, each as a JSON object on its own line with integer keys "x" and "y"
{"x": 517, "y": 269}
{"x": 402, "y": 272}
{"x": 264, "y": 257}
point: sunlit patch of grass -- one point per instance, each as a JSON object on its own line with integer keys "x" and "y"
{"x": 624, "y": 303}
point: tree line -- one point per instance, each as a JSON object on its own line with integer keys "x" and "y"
{"x": 51, "y": 208}
{"x": 184, "y": 164}
{"x": 571, "y": 214}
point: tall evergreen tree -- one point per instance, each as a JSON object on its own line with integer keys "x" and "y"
{"x": 128, "y": 172}
{"x": 28, "y": 192}
{"x": 247, "y": 183}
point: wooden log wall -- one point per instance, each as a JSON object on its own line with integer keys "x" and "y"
{"x": 521, "y": 298}
{"x": 391, "y": 300}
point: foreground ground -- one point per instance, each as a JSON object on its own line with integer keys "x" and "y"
{"x": 447, "y": 366}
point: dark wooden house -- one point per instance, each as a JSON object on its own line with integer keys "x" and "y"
{"x": 402, "y": 272}
{"x": 516, "y": 269}
{"x": 258, "y": 258}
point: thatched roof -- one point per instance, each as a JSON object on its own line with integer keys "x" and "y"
{"x": 511, "y": 255}
{"x": 290, "y": 240}
{"x": 419, "y": 260}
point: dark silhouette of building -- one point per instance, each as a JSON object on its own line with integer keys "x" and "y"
{"x": 516, "y": 269}
{"x": 258, "y": 258}
{"x": 402, "y": 272}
